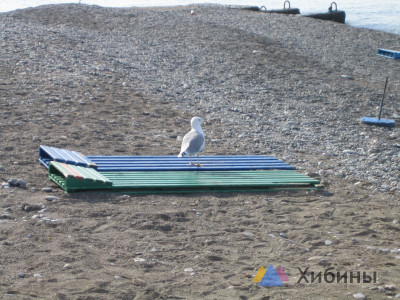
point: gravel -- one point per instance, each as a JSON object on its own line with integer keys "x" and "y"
{"x": 286, "y": 86}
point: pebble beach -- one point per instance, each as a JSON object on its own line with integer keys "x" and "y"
{"x": 127, "y": 81}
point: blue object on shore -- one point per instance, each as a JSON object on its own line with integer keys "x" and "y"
{"x": 389, "y": 53}
{"x": 378, "y": 122}
{"x": 161, "y": 163}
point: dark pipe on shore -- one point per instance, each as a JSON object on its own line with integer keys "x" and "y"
{"x": 332, "y": 15}
{"x": 285, "y": 11}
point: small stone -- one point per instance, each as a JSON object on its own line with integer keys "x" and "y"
{"x": 5, "y": 215}
{"x": 328, "y": 242}
{"x": 315, "y": 258}
{"x": 67, "y": 266}
{"x": 385, "y": 250}
{"x": 15, "y": 182}
{"x": 349, "y": 151}
{"x": 249, "y": 234}
{"x": 140, "y": 260}
{"x": 138, "y": 282}
{"x": 395, "y": 221}
{"x": 47, "y": 189}
{"x": 397, "y": 296}
{"x": 2, "y": 168}
{"x": 21, "y": 275}
{"x": 37, "y": 275}
{"x": 359, "y": 296}
{"x": 283, "y": 235}
{"x": 390, "y": 287}
{"x": 344, "y": 76}
{"x": 259, "y": 52}
{"x": 51, "y": 198}
{"x": 117, "y": 277}
{"x": 271, "y": 235}
{"x": 355, "y": 241}
{"x": 189, "y": 270}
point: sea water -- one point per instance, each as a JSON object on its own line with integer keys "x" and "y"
{"x": 373, "y": 14}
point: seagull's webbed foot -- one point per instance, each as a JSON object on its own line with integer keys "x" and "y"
{"x": 198, "y": 165}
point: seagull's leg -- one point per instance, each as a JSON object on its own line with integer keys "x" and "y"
{"x": 198, "y": 163}
{"x": 190, "y": 159}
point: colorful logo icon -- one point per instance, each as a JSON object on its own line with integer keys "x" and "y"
{"x": 271, "y": 277}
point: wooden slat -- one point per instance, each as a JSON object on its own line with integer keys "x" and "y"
{"x": 194, "y": 180}
{"x": 172, "y": 163}
{"x": 48, "y": 154}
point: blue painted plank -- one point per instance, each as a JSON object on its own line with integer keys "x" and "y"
{"x": 48, "y": 154}
{"x": 378, "y": 122}
{"x": 172, "y": 163}
{"x": 162, "y": 163}
{"x": 389, "y": 53}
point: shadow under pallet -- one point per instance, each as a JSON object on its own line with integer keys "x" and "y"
{"x": 166, "y": 174}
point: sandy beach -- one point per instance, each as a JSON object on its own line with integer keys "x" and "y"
{"x": 105, "y": 81}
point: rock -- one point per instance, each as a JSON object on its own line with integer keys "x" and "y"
{"x": 355, "y": 241}
{"x": 5, "y": 215}
{"x": 283, "y": 235}
{"x": 359, "y": 296}
{"x": 15, "y": 182}
{"x": 2, "y": 168}
{"x": 51, "y": 198}
{"x": 67, "y": 266}
{"x": 249, "y": 234}
{"x": 349, "y": 151}
{"x": 140, "y": 260}
{"x": 138, "y": 282}
{"x": 390, "y": 287}
{"x": 47, "y": 189}
{"x": 315, "y": 258}
{"x": 349, "y": 77}
{"x": 189, "y": 270}
{"x": 328, "y": 242}
{"x": 397, "y": 296}
{"x": 21, "y": 275}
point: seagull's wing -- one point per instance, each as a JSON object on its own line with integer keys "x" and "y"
{"x": 193, "y": 142}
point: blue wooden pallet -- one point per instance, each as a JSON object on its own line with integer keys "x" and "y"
{"x": 389, "y": 53}
{"x": 162, "y": 163}
{"x": 49, "y": 154}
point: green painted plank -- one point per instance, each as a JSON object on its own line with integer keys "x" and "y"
{"x": 193, "y": 180}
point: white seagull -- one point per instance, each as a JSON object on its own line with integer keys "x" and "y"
{"x": 193, "y": 141}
